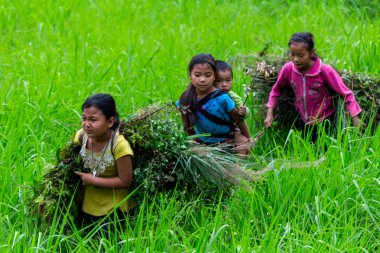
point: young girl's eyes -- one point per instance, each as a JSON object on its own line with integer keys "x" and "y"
{"x": 90, "y": 119}
{"x": 206, "y": 75}
{"x": 293, "y": 54}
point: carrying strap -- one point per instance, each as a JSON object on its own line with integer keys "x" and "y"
{"x": 215, "y": 119}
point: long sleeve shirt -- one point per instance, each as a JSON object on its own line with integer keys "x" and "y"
{"x": 312, "y": 91}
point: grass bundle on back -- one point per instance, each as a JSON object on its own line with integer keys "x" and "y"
{"x": 60, "y": 189}
{"x": 265, "y": 70}
{"x": 165, "y": 160}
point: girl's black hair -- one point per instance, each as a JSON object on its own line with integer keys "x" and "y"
{"x": 106, "y": 104}
{"x": 188, "y": 99}
{"x": 223, "y": 66}
{"x": 304, "y": 37}
{"x": 202, "y": 59}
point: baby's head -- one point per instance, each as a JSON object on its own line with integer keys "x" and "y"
{"x": 224, "y": 76}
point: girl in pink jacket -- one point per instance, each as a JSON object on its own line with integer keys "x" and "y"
{"x": 312, "y": 82}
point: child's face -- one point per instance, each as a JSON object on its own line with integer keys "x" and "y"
{"x": 300, "y": 56}
{"x": 224, "y": 80}
{"x": 202, "y": 76}
{"x": 94, "y": 123}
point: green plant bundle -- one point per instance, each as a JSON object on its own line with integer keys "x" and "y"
{"x": 59, "y": 185}
{"x": 265, "y": 69}
{"x": 165, "y": 159}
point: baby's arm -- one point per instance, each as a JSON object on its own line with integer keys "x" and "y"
{"x": 188, "y": 130}
{"x": 240, "y": 123}
{"x": 242, "y": 111}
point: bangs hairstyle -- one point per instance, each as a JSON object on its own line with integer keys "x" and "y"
{"x": 106, "y": 104}
{"x": 202, "y": 59}
{"x": 188, "y": 98}
{"x": 304, "y": 37}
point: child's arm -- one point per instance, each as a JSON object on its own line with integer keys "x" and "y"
{"x": 122, "y": 180}
{"x": 276, "y": 92}
{"x": 356, "y": 121}
{"x": 335, "y": 82}
{"x": 269, "y": 119}
{"x": 188, "y": 131}
{"x": 240, "y": 123}
{"x": 244, "y": 112}
{"x": 282, "y": 81}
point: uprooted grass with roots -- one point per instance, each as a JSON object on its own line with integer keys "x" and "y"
{"x": 165, "y": 159}
{"x": 264, "y": 70}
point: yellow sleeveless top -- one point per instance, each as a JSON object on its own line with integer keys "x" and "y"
{"x": 100, "y": 201}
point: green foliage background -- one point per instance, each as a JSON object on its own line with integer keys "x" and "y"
{"x": 53, "y": 54}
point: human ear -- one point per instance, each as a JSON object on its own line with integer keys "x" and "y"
{"x": 312, "y": 53}
{"x": 110, "y": 122}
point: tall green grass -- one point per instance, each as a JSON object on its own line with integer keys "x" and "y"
{"x": 53, "y": 54}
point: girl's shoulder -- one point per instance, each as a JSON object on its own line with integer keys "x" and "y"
{"x": 121, "y": 146}
{"x": 327, "y": 69}
{"x": 221, "y": 95}
{"x": 217, "y": 98}
{"x": 224, "y": 100}
{"x": 288, "y": 67}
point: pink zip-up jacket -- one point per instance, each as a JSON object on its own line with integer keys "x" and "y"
{"x": 313, "y": 99}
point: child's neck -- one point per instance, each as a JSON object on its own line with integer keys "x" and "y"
{"x": 201, "y": 95}
{"x": 97, "y": 144}
{"x": 308, "y": 67}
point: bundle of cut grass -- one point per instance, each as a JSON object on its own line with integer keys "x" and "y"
{"x": 59, "y": 184}
{"x": 165, "y": 159}
{"x": 264, "y": 71}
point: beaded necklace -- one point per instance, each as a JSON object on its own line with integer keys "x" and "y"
{"x": 95, "y": 171}
{"x": 97, "y": 164}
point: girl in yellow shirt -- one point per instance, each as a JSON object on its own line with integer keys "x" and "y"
{"x": 107, "y": 156}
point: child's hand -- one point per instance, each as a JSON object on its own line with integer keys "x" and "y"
{"x": 356, "y": 121}
{"x": 242, "y": 111}
{"x": 269, "y": 119}
{"x": 87, "y": 178}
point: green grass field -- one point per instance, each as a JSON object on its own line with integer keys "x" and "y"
{"x": 54, "y": 54}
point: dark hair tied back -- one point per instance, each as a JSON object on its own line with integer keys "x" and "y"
{"x": 304, "y": 37}
{"x": 188, "y": 98}
{"x": 106, "y": 104}
{"x": 202, "y": 59}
